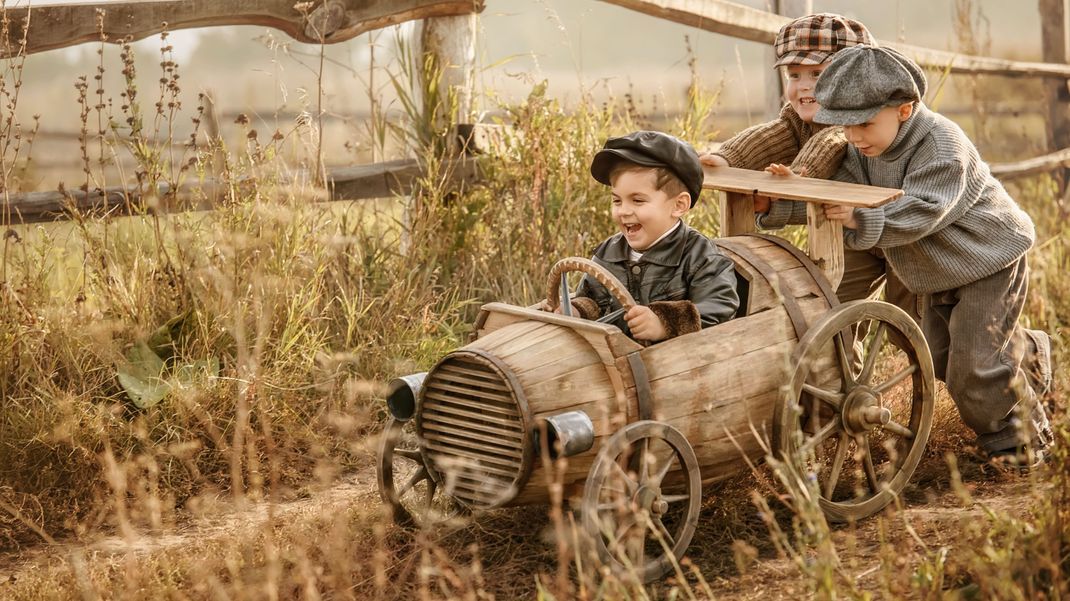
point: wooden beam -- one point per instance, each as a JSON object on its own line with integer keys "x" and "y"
{"x": 1041, "y": 164}
{"x": 380, "y": 180}
{"x": 745, "y": 23}
{"x": 807, "y": 189}
{"x": 329, "y": 21}
{"x": 737, "y": 214}
{"x": 825, "y": 243}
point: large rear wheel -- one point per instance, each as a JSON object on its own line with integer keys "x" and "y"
{"x": 858, "y": 414}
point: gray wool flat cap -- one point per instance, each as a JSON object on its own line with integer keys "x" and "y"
{"x": 861, "y": 80}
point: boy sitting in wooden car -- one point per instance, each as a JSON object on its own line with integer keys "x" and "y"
{"x": 681, "y": 281}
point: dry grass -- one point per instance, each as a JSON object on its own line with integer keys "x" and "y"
{"x": 254, "y": 484}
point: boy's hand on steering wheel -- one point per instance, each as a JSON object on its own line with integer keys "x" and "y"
{"x": 644, "y": 324}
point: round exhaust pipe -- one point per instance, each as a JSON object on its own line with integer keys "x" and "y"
{"x": 402, "y": 394}
{"x": 569, "y": 433}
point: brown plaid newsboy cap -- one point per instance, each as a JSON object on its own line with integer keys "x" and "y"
{"x": 812, "y": 39}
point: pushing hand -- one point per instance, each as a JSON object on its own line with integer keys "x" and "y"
{"x": 841, "y": 213}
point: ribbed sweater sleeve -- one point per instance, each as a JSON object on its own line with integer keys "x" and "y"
{"x": 776, "y": 141}
{"x": 819, "y": 156}
{"x": 822, "y": 154}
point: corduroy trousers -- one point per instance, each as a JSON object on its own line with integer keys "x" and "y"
{"x": 863, "y": 273}
{"x": 995, "y": 370}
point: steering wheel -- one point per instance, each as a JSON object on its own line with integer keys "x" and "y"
{"x": 557, "y": 292}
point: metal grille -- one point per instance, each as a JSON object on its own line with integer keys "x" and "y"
{"x": 472, "y": 428}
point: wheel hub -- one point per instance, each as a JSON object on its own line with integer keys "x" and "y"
{"x": 649, "y": 498}
{"x": 863, "y": 412}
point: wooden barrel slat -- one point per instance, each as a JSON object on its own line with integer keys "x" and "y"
{"x": 504, "y": 400}
{"x": 487, "y": 488}
{"x": 546, "y": 337}
{"x": 480, "y": 481}
{"x": 469, "y": 403}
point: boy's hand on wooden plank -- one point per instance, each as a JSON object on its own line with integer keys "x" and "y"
{"x": 644, "y": 324}
{"x": 841, "y": 213}
{"x": 713, "y": 160}
{"x": 761, "y": 203}
{"x": 784, "y": 170}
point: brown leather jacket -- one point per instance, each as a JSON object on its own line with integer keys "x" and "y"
{"x": 684, "y": 279}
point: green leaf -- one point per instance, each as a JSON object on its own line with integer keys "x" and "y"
{"x": 188, "y": 375}
{"x": 142, "y": 377}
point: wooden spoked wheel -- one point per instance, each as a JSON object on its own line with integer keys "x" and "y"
{"x": 569, "y": 264}
{"x": 641, "y": 500}
{"x": 405, "y": 483}
{"x": 858, "y": 412}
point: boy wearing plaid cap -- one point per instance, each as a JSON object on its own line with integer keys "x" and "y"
{"x": 956, "y": 237}
{"x": 803, "y": 49}
{"x": 681, "y": 280}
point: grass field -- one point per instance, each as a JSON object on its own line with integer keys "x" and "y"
{"x": 275, "y": 323}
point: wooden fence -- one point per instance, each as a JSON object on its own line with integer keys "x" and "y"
{"x": 448, "y": 35}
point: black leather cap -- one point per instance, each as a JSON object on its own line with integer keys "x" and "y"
{"x": 651, "y": 149}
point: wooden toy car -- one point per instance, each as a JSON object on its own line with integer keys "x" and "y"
{"x": 845, "y": 389}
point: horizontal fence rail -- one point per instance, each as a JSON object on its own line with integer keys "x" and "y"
{"x": 378, "y": 180}
{"x": 331, "y": 21}
{"x": 746, "y": 23}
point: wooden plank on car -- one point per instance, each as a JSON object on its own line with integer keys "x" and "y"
{"x": 808, "y": 189}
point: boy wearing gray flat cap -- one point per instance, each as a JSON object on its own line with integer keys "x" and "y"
{"x": 803, "y": 49}
{"x": 681, "y": 280}
{"x": 956, "y": 238}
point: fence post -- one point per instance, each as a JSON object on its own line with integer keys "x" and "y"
{"x": 1053, "y": 29}
{"x": 774, "y": 83}
{"x": 451, "y": 41}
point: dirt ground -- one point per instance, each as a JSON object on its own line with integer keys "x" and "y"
{"x": 515, "y": 544}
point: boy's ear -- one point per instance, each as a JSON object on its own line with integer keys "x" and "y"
{"x": 681, "y": 204}
{"x": 905, "y": 111}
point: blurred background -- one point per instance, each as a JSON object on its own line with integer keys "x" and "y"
{"x": 582, "y": 50}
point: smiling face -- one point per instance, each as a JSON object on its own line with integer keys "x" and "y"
{"x": 874, "y": 137}
{"x": 642, "y": 211}
{"x": 800, "y": 89}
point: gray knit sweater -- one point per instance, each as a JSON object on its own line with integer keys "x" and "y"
{"x": 955, "y": 223}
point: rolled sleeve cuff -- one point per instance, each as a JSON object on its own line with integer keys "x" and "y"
{"x": 778, "y": 215}
{"x": 725, "y": 152}
{"x": 868, "y": 233}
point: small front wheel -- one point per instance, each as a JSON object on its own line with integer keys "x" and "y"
{"x": 642, "y": 498}
{"x": 406, "y": 485}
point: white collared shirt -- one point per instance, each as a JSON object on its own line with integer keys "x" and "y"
{"x": 635, "y": 255}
